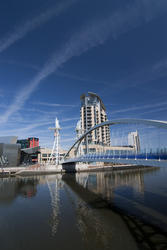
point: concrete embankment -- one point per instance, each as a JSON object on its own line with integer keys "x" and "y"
{"x": 30, "y": 170}
{"x": 39, "y": 172}
{"x": 5, "y": 172}
{"x": 52, "y": 169}
{"x": 115, "y": 167}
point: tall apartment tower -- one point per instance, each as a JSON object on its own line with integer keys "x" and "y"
{"x": 92, "y": 113}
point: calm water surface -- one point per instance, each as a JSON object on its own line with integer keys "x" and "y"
{"x": 103, "y": 210}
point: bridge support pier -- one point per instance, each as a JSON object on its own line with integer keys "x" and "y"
{"x": 69, "y": 167}
{"x": 73, "y": 167}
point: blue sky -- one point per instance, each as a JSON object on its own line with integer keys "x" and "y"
{"x": 53, "y": 51}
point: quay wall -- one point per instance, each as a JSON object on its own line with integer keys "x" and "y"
{"x": 41, "y": 170}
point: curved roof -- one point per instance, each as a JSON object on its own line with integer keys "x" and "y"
{"x": 94, "y": 95}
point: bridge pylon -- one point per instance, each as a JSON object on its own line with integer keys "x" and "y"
{"x": 54, "y": 157}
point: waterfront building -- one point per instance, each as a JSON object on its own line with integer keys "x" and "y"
{"x": 9, "y": 154}
{"x": 45, "y": 154}
{"x": 24, "y": 143}
{"x": 33, "y": 142}
{"x": 134, "y": 140}
{"x": 9, "y": 151}
{"x": 93, "y": 112}
{"x": 29, "y": 149}
{"x": 29, "y": 143}
{"x": 13, "y": 152}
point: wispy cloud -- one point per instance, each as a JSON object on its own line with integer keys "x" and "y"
{"x": 68, "y": 127}
{"x": 22, "y": 30}
{"x": 36, "y": 125}
{"x": 156, "y": 110}
{"x": 35, "y": 110}
{"x": 20, "y": 64}
{"x": 160, "y": 68}
{"x": 155, "y": 71}
{"x": 1, "y": 93}
{"x": 56, "y": 104}
{"x": 68, "y": 135}
{"x": 2, "y": 105}
{"x": 69, "y": 119}
{"x": 94, "y": 34}
{"x": 81, "y": 79}
{"x": 140, "y": 78}
{"x": 26, "y": 129}
{"x": 68, "y": 140}
{"x": 163, "y": 106}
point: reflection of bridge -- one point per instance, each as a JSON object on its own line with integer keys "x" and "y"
{"x": 99, "y": 190}
{"x": 123, "y": 153}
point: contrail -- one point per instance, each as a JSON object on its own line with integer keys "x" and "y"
{"x": 21, "y": 31}
{"x": 93, "y": 35}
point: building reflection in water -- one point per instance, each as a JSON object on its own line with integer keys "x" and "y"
{"x": 26, "y": 187}
{"x": 104, "y": 183}
{"x": 11, "y": 188}
{"x": 99, "y": 226}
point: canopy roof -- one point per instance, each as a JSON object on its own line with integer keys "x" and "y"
{"x": 33, "y": 150}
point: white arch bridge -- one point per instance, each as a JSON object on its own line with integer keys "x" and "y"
{"x": 124, "y": 154}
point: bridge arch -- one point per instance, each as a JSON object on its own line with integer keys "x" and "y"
{"x": 155, "y": 123}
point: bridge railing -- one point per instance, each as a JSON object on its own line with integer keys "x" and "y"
{"x": 132, "y": 153}
{"x": 104, "y": 157}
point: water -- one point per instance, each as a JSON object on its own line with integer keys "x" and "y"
{"x": 103, "y": 210}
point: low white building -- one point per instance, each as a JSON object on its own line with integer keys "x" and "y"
{"x": 45, "y": 154}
